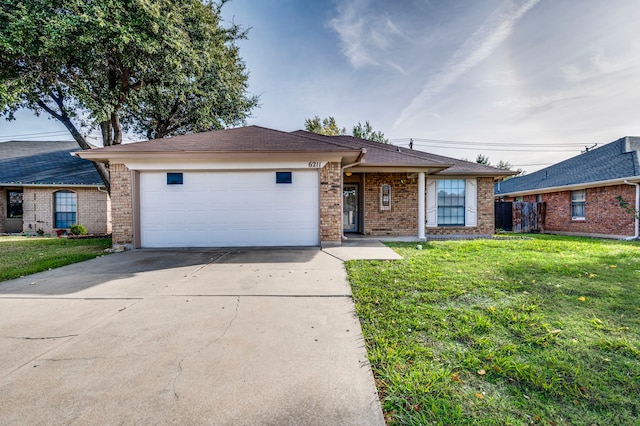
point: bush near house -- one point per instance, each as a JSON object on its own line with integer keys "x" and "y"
{"x": 538, "y": 331}
{"x": 28, "y": 255}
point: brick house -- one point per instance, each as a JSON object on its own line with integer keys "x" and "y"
{"x": 581, "y": 193}
{"x": 43, "y": 187}
{"x": 253, "y": 186}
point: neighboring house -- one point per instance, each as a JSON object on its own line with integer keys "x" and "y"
{"x": 253, "y": 186}
{"x": 581, "y": 193}
{"x": 43, "y": 187}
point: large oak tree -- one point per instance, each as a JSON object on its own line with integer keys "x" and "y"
{"x": 154, "y": 67}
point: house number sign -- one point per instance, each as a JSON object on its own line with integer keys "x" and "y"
{"x": 314, "y": 164}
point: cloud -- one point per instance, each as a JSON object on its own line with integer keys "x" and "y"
{"x": 480, "y": 45}
{"x": 365, "y": 35}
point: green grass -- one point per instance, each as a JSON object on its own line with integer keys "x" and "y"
{"x": 491, "y": 332}
{"x": 21, "y": 256}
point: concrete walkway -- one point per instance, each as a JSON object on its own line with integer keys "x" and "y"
{"x": 362, "y": 249}
{"x": 198, "y": 336}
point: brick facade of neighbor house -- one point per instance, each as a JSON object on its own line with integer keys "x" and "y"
{"x": 486, "y": 221}
{"x": 122, "y": 204}
{"x": 92, "y": 209}
{"x": 402, "y": 218}
{"x": 603, "y": 214}
{"x": 330, "y": 204}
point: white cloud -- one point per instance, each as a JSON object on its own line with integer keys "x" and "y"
{"x": 480, "y": 45}
{"x": 366, "y": 35}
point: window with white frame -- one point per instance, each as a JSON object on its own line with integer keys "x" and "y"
{"x": 578, "y": 199}
{"x": 451, "y": 202}
{"x": 65, "y": 208}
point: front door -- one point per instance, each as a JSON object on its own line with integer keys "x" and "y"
{"x": 13, "y": 221}
{"x": 350, "y": 207}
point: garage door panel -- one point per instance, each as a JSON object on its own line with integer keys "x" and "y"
{"x": 229, "y": 209}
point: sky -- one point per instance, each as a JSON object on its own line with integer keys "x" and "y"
{"x": 531, "y": 82}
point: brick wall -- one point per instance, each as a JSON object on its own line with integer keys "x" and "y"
{"x": 121, "y": 204}
{"x": 603, "y": 214}
{"x": 486, "y": 220}
{"x": 330, "y": 204}
{"x": 38, "y": 209}
{"x": 402, "y": 219}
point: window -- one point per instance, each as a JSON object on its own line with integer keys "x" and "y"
{"x": 385, "y": 197}
{"x": 539, "y": 198}
{"x": 283, "y": 177}
{"x": 451, "y": 208}
{"x": 174, "y": 178}
{"x": 577, "y": 204}
{"x": 65, "y": 207}
{"x": 14, "y": 204}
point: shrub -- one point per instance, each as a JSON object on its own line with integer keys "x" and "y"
{"x": 77, "y": 230}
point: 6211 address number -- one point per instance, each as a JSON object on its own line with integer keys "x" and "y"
{"x": 314, "y": 164}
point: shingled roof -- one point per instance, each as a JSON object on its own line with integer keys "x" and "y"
{"x": 256, "y": 139}
{"x": 615, "y": 160}
{"x": 239, "y": 139}
{"x": 44, "y": 163}
{"x": 391, "y": 155}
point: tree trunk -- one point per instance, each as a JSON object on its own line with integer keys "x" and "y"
{"x": 62, "y": 117}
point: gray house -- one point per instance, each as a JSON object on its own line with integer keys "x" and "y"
{"x": 581, "y": 193}
{"x": 43, "y": 187}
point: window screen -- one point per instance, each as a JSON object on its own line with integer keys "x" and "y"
{"x": 451, "y": 202}
{"x": 65, "y": 204}
{"x": 577, "y": 204}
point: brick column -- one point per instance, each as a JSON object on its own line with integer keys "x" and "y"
{"x": 121, "y": 205}
{"x": 330, "y": 205}
{"x": 486, "y": 201}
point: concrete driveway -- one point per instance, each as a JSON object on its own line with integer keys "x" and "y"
{"x": 197, "y": 336}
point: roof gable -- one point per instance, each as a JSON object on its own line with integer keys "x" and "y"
{"x": 386, "y": 154}
{"x": 615, "y": 160}
{"x": 44, "y": 163}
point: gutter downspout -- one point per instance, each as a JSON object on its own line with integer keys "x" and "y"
{"x": 637, "y": 213}
{"x": 359, "y": 161}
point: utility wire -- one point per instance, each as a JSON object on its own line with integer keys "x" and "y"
{"x": 482, "y": 144}
{"x": 481, "y": 148}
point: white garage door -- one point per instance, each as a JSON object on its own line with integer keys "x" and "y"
{"x": 229, "y": 209}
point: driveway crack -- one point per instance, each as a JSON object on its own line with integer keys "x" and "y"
{"x": 39, "y": 338}
{"x": 174, "y": 382}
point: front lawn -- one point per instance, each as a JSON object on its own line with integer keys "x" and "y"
{"x": 544, "y": 330}
{"x": 27, "y": 255}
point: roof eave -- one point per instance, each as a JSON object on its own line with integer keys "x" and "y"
{"x": 576, "y": 186}
{"x": 110, "y": 156}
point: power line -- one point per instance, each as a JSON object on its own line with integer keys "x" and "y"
{"x": 482, "y": 144}
{"x": 40, "y": 134}
{"x": 482, "y": 148}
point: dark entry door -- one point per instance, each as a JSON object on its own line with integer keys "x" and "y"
{"x": 13, "y": 221}
{"x": 350, "y": 207}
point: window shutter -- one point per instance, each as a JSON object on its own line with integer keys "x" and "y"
{"x": 432, "y": 203}
{"x": 471, "y": 203}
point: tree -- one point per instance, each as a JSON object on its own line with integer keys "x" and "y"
{"x": 157, "y": 68}
{"x": 483, "y": 159}
{"x": 502, "y": 165}
{"x": 326, "y": 126}
{"x": 329, "y": 127}
{"x": 366, "y": 132}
